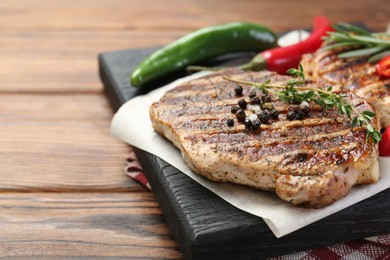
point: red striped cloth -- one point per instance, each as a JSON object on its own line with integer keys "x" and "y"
{"x": 371, "y": 248}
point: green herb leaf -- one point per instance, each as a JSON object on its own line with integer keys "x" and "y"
{"x": 370, "y": 128}
{"x": 308, "y": 95}
{"x": 338, "y": 45}
{"x": 292, "y": 92}
{"x": 377, "y": 57}
{"x": 381, "y": 35}
{"x": 370, "y": 39}
{"x": 328, "y": 101}
{"x": 368, "y": 113}
{"x": 337, "y": 37}
{"x": 301, "y": 73}
{"x": 357, "y": 42}
{"x": 346, "y": 27}
{"x": 377, "y": 136}
{"x": 361, "y": 52}
{"x": 353, "y": 122}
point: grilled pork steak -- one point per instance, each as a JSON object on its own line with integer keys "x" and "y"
{"x": 312, "y": 162}
{"x": 353, "y": 74}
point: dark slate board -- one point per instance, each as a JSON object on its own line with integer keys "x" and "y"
{"x": 207, "y": 227}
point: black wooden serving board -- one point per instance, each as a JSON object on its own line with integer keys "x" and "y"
{"x": 207, "y": 227}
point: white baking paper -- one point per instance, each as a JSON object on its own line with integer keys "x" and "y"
{"x": 132, "y": 125}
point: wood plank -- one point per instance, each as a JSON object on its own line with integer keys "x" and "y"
{"x": 175, "y": 14}
{"x": 38, "y": 55}
{"x": 61, "y": 143}
{"x": 84, "y": 224}
{"x": 52, "y": 61}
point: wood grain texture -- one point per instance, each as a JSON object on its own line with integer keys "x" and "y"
{"x": 52, "y": 61}
{"x": 54, "y": 45}
{"x": 207, "y": 227}
{"x": 81, "y": 225}
{"x": 183, "y": 14}
{"x": 59, "y": 143}
{"x": 54, "y": 117}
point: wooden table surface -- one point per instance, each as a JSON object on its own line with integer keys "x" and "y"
{"x": 63, "y": 191}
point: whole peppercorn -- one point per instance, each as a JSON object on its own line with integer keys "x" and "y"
{"x": 265, "y": 99}
{"x": 252, "y": 94}
{"x": 230, "y": 122}
{"x": 234, "y": 109}
{"x": 255, "y": 100}
{"x": 267, "y": 106}
{"x": 242, "y": 103}
{"x": 264, "y": 116}
{"x": 238, "y": 90}
{"x": 305, "y": 110}
{"x": 256, "y": 124}
{"x": 247, "y": 123}
{"x": 291, "y": 115}
{"x": 240, "y": 115}
{"x": 274, "y": 113}
{"x": 300, "y": 114}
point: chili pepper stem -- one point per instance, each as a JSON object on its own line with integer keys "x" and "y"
{"x": 258, "y": 63}
{"x": 201, "y": 68}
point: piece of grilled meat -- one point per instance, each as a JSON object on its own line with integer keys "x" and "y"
{"x": 353, "y": 74}
{"x": 311, "y": 162}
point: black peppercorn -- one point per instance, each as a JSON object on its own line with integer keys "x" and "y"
{"x": 255, "y": 100}
{"x": 305, "y": 110}
{"x": 242, "y": 103}
{"x": 234, "y": 109}
{"x": 300, "y": 114}
{"x": 256, "y": 124}
{"x": 238, "y": 90}
{"x": 230, "y": 122}
{"x": 240, "y": 115}
{"x": 274, "y": 113}
{"x": 247, "y": 123}
{"x": 291, "y": 115}
{"x": 265, "y": 99}
{"x": 252, "y": 94}
{"x": 264, "y": 116}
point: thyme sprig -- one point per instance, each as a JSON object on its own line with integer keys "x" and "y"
{"x": 294, "y": 92}
{"x": 358, "y": 42}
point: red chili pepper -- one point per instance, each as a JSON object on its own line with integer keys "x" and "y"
{"x": 383, "y": 67}
{"x": 384, "y": 144}
{"x": 280, "y": 59}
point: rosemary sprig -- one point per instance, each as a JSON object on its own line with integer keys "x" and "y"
{"x": 294, "y": 92}
{"x": 359, "y": 42}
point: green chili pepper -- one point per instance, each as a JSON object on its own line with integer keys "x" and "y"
{"x": 202, "y": 44}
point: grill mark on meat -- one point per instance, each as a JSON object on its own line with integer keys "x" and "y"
{"x": 316, "y": 147}
{"x": 352, "y": 74}
{"x": 304, "y": 162}
{"x": 240, "y": 135}
{"x": 206, "y": 91}
{"x": 218, "y": 125}
{"x": 262, "y": 147}
{"x": 194, "y": 108}
{"x": 299, "y": 161}
{"x": 301, "y": 144}
{"x": 201, "y": 85}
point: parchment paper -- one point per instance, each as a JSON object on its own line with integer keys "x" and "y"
{"x": 132, "y": 125}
